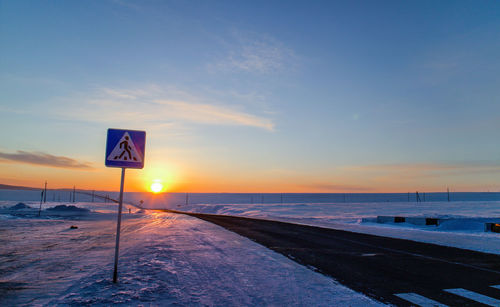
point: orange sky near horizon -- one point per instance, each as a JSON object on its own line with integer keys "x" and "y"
{"x": 382, "y": 179}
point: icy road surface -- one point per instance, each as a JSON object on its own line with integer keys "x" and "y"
{"x": 165, "y": 259}
{"x": 458, "y": 232}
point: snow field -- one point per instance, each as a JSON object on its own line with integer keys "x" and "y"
{"x": 169, "y": 259}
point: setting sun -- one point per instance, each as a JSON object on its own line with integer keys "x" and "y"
{"x": 156, "y": 187}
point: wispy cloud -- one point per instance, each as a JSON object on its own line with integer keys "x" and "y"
{"x": 327, "y": 187}
{"x": 253, "y": 53}
{"x": 127, "y": 4}
{"x": 44, "y": 159}
{"x": 154, "y": 106}
{"x": 146, "y": 91}
{"x": 423, "y": 170}
{"x": 211, "y": 114}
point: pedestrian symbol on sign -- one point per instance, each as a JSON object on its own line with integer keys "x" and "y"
{"x": 125, "y": 148}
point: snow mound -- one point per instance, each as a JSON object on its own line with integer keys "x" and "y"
{"x": 20, "y": 206}
{"x": 462, "y": 225}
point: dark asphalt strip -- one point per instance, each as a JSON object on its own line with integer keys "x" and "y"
{"x": 376, "y": 266}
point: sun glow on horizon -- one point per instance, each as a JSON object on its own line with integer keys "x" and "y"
{"x": 156, "y": 186}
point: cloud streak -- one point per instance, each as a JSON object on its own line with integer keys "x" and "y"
{"x": 153, "y": 106}
{"x": 431, "y": 170}
{"x": 326, "y": 187}
{"x": 250, "y": 53}
{"x": 44, "y": 159}
{"x": 211, "y": 114}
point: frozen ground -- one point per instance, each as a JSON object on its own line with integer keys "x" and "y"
{"x": 165, "y": 259}
{"x": 169, "y": 259}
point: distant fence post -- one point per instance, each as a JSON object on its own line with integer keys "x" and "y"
{"x": 45, "y": 192}
{"x": 41, "y": 199}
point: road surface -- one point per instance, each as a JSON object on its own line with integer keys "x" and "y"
{"x": 396, "y": 271}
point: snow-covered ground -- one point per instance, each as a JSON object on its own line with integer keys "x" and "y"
{"x": 170, "y": 259}
{"x": 165, "y": 259}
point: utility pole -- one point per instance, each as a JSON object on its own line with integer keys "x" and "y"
{"x": 74, "y": 193}
{"x": 40, "y": 209}
{"x": 45, "y": 192}
{"x": 448, "y": 194}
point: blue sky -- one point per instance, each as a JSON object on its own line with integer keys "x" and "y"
{"x": 323, "y": 96}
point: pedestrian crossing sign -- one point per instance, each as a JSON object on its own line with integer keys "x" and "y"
{"x": 125, "y": 148}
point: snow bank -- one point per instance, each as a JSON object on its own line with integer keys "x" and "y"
{"x": 20, "y": 206}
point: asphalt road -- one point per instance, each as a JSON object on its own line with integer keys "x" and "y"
{"x": 389, "y": 270}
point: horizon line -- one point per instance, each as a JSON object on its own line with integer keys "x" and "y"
{"x": 20, "y": 188}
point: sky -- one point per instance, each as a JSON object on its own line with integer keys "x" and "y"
{"x": 253, "y": 96}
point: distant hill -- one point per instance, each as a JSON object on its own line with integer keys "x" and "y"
{"x": 15, "y": 187}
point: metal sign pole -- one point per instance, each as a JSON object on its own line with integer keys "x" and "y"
{"x": 124, "y": 149}
{"x": 118, "y": 224}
